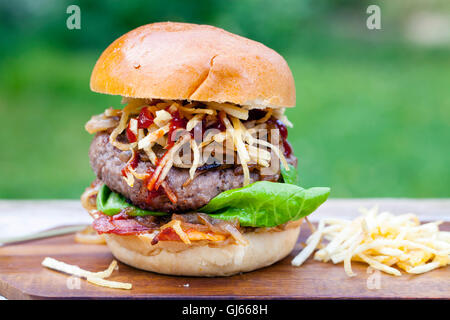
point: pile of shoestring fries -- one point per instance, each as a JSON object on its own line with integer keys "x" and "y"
{"x": 384, "y": 241}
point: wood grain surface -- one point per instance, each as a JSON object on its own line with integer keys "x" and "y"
{"x": 23, "y": 277}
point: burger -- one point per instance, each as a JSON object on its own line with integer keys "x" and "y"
{"x": 194, "y": 174}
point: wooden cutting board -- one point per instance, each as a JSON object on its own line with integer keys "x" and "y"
{"x": 23, "y": 277}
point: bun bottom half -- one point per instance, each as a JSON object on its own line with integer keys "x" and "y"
{"x": 203, "y": 260}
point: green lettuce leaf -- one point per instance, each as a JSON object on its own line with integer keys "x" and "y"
{"x": 261, "y": 204}
{"x": 266, "y": 204}
{"x": 290, "y": 176}
{"x": 111, "y": 203}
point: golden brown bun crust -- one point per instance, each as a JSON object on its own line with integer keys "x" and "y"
{"x": 183, "y": 61}
{"x": 175, "y": 258}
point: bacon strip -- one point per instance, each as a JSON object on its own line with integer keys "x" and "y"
{"x": 167, "y": 234}
{"x": 177, "y": 229}
{"x": 120, "y": 224}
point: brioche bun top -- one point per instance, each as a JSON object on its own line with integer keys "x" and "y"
{"x": 180, "y": 61}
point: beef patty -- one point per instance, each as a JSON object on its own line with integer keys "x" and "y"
{"x": 107, "y": 162}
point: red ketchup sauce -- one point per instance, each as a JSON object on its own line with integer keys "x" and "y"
{"x": 283, "y": 134}
{"x": 152, "y": 193}
{"x": 130, "y": 135}
{"x": 145, "y": 119}
{"x": 176, "y": 123}
{"x": 133, "y": 163}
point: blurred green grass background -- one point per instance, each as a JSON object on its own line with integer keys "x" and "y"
{"x": 373, "y": 107}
